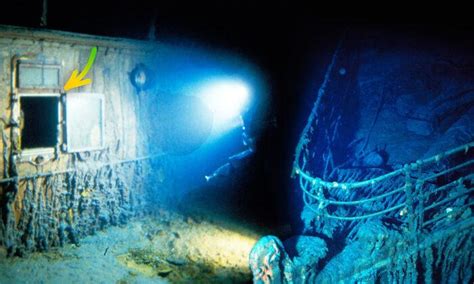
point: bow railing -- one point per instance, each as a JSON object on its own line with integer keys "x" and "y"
{"x": 419, "y": 190}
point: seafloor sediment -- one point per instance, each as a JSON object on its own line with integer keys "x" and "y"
{"x": 166, "y": 248}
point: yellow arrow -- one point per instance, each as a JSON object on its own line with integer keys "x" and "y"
{"x": 76, "y": 81}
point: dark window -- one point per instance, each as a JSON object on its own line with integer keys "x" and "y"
{"x": 40, "y": 121}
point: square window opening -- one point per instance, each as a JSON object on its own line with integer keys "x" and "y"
{"x": 39, "y": 116}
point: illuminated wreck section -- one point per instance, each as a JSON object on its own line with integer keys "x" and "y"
{"x": 385, "y": 169}
{"x": 77, "y": 162}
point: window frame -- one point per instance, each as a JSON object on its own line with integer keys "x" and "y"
{"x": 67, "y": 148}
{"x": 29, "y": 152}
{"x": 41, "y": 65}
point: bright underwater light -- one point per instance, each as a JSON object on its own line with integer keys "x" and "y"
{"x": 227, "y": 99}
{"x": 205, "y": 111}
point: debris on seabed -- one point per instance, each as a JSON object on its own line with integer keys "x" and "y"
{"x": 165, "y": 248}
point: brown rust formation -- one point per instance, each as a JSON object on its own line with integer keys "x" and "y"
{"x": 48, "y": 200}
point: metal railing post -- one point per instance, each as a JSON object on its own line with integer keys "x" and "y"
{"x": 410, "y": 204}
